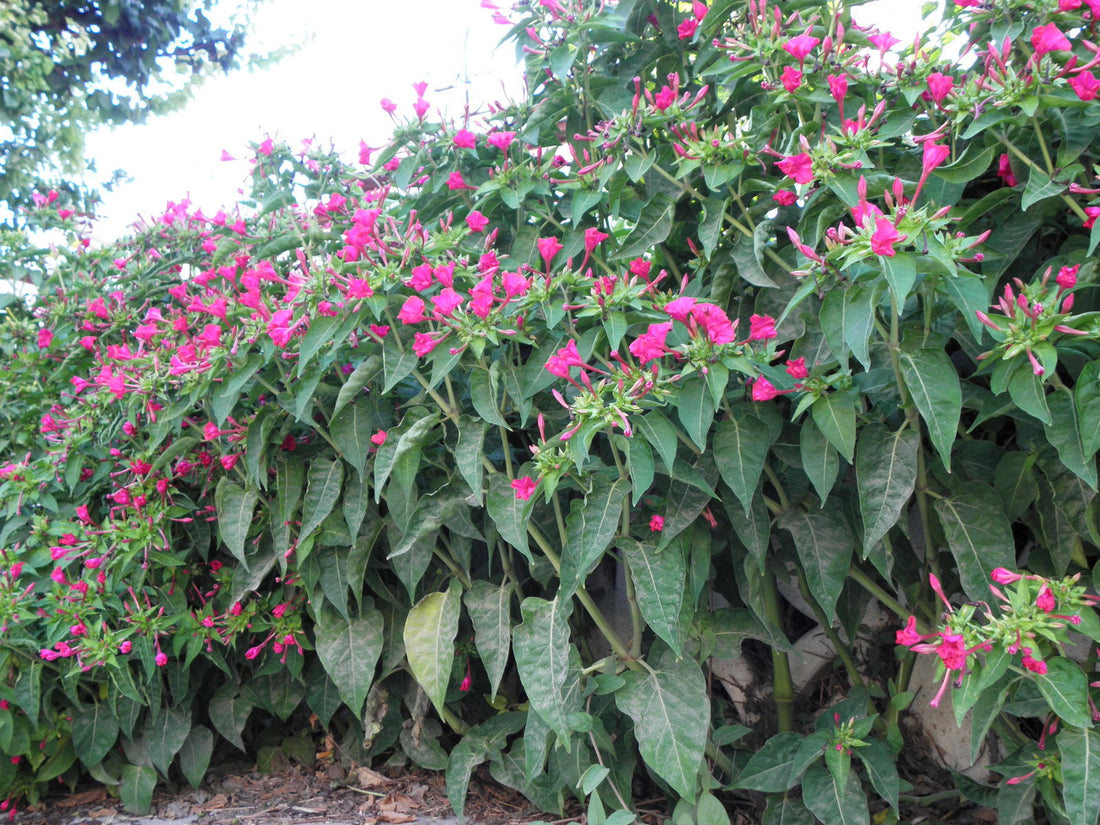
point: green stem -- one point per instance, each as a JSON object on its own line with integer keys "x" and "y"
{"x": 783, "y": 687}
{"x": 784, "y": 502}
{"x": 1024, "y": 159}
{"x": 636, "y": 625}
{"x": 1043, "y": 146}
{"x": 455, "y": 724}
{"x": 868, "y": 584}
{"x": 841, "y": 649}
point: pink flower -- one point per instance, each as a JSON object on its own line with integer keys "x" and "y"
{"x": 456, "y": 181}
{"x": 1003, "y": 576}
{"x": 1067, "y": 277}
{"x": 884, "y": 237}
{"x": 1004, "y": 170}
{"x": 796, "y": 369}
{"x": 446, "y": 302}
{"x": 524, "y": 487}
{"x": 412, "y": 311}
{"x": 940, "y": 86}
{"x": 791, "y": 79}
{"x": 657, "y": 524}
{"x": 799, "y": 167}
{"x": 838, "y": 86}
{"x": 1048, "y": 38}
{"x": 1093, "y": 213}
{"x": 476, "y": 221}
{"x": 1034, "y": 665}
{"x": 799, "y": 47}
{"x": 593, "y": 238}
{"x": 379, "y": 438}
{"x": 161, "y": 658}
{"x": 687, "y": 27}
{"x": 501, "y": 140}
{"x": 884, "y": 41}
{"x": 763, "y": 389}
{"x": 1086, "y": 85}
{"x": 762, "y": 328}
{"x": 785, "y": 197}
{"x": 561, "y": 361}
{"x": 1045, "y": 600}
{"x": 424, "y": 343}
{"x": 715, "y": 323}
{"x": 45, "y": 338}
{"x": 464, "y": 139}
{"x": 548, "y": 249}
{"x": 266, "y": 147}
{"x": 125, "y": 647}
{"x": 680, "y": 308}
{"x": 664, "y": 98}
{"x": 952, "y": 651}
{"x": 932, "y": 155}
{"x": 909, "y": 635}
{"x": 651, "y": 344}
{"x": 467, "y": 681}
{"x": 381, "y": 330}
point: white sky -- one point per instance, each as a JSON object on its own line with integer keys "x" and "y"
{"x": 356, "y": 52}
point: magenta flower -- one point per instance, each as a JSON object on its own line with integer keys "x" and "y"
{"x": 884, "y": 237}
{"x": 791, "y": 79}
{"x": 524, "y": 487}
{"x": 424, "y": 343}
{"x": 796, "y": 369}
{"x": 884, "y": 41}
{"x": 1067, "y": 277}
{"x": 799, "y": 167}
{"x": 456, "y": 181}
{"x": 933, "y": 155}
{"x": 650, "y": 345}
{"x": 1045, "y": 600}
{"x": 548, "y": 249}
{"x": 715, "y": 322}
{"x": 1048, "y": 38}
{"x": 379, "y": 438}
{"x": 388, "y": 106}
{"x": 45, "y": 338}
{"x": 940, "y": 86}
{"x": 464, "y": 139}
{"x": 447, "y": 301}
{"x": 1085, "y": 85}
{"x": 799, "y": 47}
{"x": 909, "y": 636}
{"x": 664, "y": 98}
{"x": 761, "y": 328}
{"x": 1003, "y": 576}
{"x": 838, "y": 86}
{"x": 476, "y": 221}
{"x": 1034, "y": 665}
{"x": 763, "y": 389}
{"x": 785, "y": 197}
{"x": 565, "y": 358}
{"x": 412, "y": 311}
{"x": 1004, "y": 170}
{"x": 593, "y": 238}
{"x": 687, "y": 27}
{"x": 501, "y": 140}
{"x": 657, "y": 524}
{"x": 1093, "y": 213}
{"x": 680, "y": 308}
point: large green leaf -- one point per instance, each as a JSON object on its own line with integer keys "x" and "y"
{"x": 785, "y": 810}
{"x": 753, "y": 529}
{"x": 824, "y": 543}
{"x": 324, "y": 483}
{"x": 234, "y": 505}
{"x": 835, "y": 416}
{"x": 886, "y": 473}
{"x": 349, "y": 650}
{"x": 740, "y": 450}
{"x": 358, "y": 379}
{"x": 1086, "y": 396}
{"x": 95, "y": 731}
{"x": 820, "y": 460}
{"x": 591, "y": 525}
{"x": 977, "y": 533}
{"x": 490, "y": 609}
{"x": 411, "y": 435}
{"x": 509, "y": 514}
{"x": 541, "y": 647}
{"x": 430, "y": 630}
{"x": 165, "y": 735}
{"x": 351, "y": 429}
{"x": 659, "y": 577}
{"x": 668, "y": 703}
{"x": 769, "y": 769}
{"x": 653, "y": 226}
{"x": 136, "y": 788}
{"x": 834, "y": 803}
{"x": 933, "y": 384}
{"x": 1065, "y": 433}
{"x": 229, "y": 716}
{"x": 1080, "y": 750}
{"x": 1066, "y": 689}
{"x": 695, "y": 408}
{"x": 195, "y": 753}
{"x": 901, "y": 274}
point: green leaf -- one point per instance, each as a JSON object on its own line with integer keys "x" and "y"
{"x": 661, "y": 435}
{"x": 136, "y": 788}
{"x": 359, "y": 378}
{"x": 430, "y": 630}
{"x": 351, "y": 430}
{"x": 835, "y": 416}
{"x": 508, "y": 513}
{"x": 195, "y": 754}
{"x": 165, "y": 735}
{"x": 325, "y": 481}
{"x": 882, "y": 769}
{"x": 588, "y": 531}
{"x": 753, "y": 528}
{"x": 469, "y": 452}
{"x": 832, "y": 803}
{"x": 886, "y": 474}
{"x": 541, "y": 646}
{"x": 970, "y": 165}
{"x": 1065, "y": 434}
{"x": 225, "y": 397}
{"x": 234, "y": 506}
{"x": 695, "y": 409}
{"x": 229, "y": 716}
{"x": 397, "y": 363}
{"x": 490, "y": 609}
{"x": 740, "y": 449}
{"x": 1066, "y": 688}
{"x": 409, "y": 436}
{"x": 1039, "y": 187}
{"x": 1014, "y": 480}
{"x": 824, "y": 543}
{"x": 349, "y": 650}
{"x": 95, "y": 731}
{"x": 659, "y": 578}
{"x": 901, "y": 274}
{"x": 933, "y": 384}
{"x": 484, "y": 394}
{"x": 769, "y": 769}
{"x": 1080, "y": 751}
{"x": 977, "y": 533}
{"x": 652, "y": 228}
{"x": 1086, "y": 397}
{"x": 1027, "y": 391}
{"x": 785, "y": 810}
{"x": 671, "y": 716}
{"x": 819, "y": 459}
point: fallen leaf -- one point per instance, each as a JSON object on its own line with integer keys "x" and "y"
{"x": 394, "y": 817}
{"x": 366, "y": 778}
{"x": 83, "y": 798}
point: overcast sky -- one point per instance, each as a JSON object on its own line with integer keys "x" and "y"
{"x": 355, "y": 53}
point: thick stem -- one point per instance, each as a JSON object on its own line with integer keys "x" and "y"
{"x": 783, "y": 687}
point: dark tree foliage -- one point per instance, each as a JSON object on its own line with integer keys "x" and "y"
{"x": 69, "y": 65}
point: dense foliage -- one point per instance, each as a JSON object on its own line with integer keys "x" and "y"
{"x": 68, "y": 65}
{"x": 490, "y": 448}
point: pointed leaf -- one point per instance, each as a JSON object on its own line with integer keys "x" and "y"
{"x": 901, "y": 274}
{"x": 509, "y": 513}
{"x": 430, "y": 630}
{"x": 659, "y": 578}
{"x": 769, "y": 769}
{"x": 671, "y": 715}
{"x": 349, "y": 650}
{"x": 824, "y": 543}
{"x": 1066, "y": 688}
{"x": 886, "y": 474}
{"x": 409, "y": 436}
{"x": 1065, "y": 433}
{"x": 136, "y": 788}
{"x": 490, "y": 609}
{"x": 165, "y": 735}
{"x": 740, "y": 450}
{"x": 234, "y": 505}
{"x": 831, "y": 802}
{"x": 325, "y": 481}
{"x": 95, "y": 731}
{"x": 1080, "y": 774}
{"x": 351, "y": 429}
{"x": 541, "y": 647}
{"x": 195, "y": 754}
{"x": 356, "y": 381}
{"x": 589, "y": 529}
{"x": 835, "y": 416}
{"x": 661, "y": 435}
{"x": 933, "y": 384}
{"x": 977, "y": 533}
{"x": 652, "y": 228}
{"x": 820, "y": 460}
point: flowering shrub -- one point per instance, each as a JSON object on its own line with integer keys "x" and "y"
{"x": 486, "y": 447}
